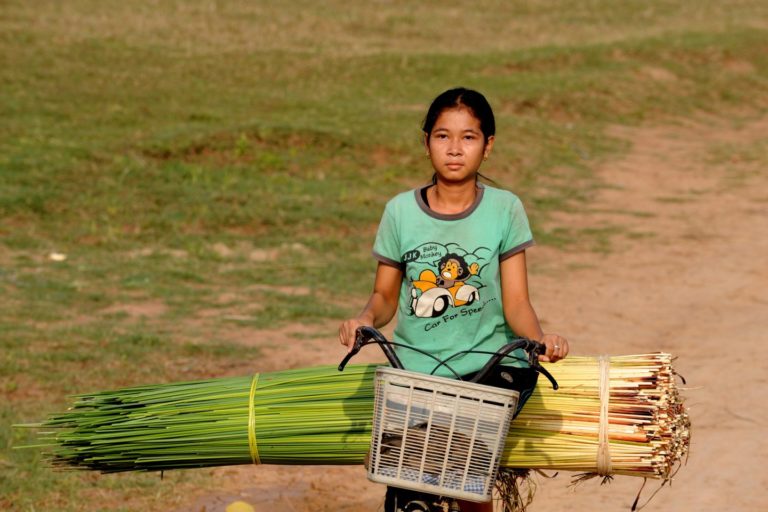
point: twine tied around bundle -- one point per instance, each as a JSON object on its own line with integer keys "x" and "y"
{"x": 252, "y": 422}
{"x": 604, "y": 467}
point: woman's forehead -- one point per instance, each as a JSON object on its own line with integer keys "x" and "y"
{"x": 461, "y": 118}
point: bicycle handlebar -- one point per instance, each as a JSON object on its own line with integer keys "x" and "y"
{"x": 366, "y": 335}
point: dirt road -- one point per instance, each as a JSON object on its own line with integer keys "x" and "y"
{"x": 687, "y": 273}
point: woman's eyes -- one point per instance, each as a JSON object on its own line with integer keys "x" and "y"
{"x": 443, "y": 136}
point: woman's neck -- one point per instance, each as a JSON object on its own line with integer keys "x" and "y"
{"x": 451, "y": 198}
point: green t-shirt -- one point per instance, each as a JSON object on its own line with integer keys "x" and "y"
{"x": 450, "y": 299}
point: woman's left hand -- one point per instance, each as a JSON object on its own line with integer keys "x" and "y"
{"x": 557, "y": 348}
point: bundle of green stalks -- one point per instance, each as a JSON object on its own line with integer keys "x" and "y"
{"x": 321, "y": 416}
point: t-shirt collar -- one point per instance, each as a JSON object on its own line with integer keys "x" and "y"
{"x": 452, "y": 216}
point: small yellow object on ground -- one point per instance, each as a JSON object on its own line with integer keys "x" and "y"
{"x": 239, "y": 506}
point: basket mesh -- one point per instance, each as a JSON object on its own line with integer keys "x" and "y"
{"x": 438, "y": 435}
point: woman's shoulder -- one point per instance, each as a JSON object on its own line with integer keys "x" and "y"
{"x": 501, "y": 196}
{"x": 404, "y": 199}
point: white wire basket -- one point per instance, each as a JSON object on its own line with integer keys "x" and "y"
{"x": 438, "y": 435}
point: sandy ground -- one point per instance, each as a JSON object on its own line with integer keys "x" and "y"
{"x": 687, "y": 274}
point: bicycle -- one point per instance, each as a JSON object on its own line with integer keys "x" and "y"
{"x": 434, "y": 439}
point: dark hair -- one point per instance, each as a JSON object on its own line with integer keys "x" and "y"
{"x": 461, "y": 97}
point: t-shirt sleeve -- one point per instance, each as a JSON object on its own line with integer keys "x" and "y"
{"x": 518, "y": 236}
{"x": 386, "y": 248}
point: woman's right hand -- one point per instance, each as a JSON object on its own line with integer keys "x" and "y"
{"x": 348, "y": 331}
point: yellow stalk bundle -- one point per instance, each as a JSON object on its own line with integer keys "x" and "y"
{"x": 647, "y": 426}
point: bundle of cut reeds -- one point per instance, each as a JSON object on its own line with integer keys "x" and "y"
{"x": 639, "y": 426}
{"x": 622, "y": 416}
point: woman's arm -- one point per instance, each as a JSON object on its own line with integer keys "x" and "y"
{"x": 381, "y": 306}
{"x": 519, "y": 312}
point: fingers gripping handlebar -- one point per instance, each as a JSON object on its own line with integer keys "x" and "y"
{"x": 367, "y": 335}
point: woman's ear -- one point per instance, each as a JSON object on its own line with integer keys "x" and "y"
{"x": 488, "y": 146}
{"x": 426, "y": 143}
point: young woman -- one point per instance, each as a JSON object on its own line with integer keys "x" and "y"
{"x": 452, "y": 257}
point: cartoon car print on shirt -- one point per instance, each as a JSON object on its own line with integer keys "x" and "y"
{"x": 432, "y": 294}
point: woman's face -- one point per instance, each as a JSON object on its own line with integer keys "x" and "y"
{"x": 457, "y": 146}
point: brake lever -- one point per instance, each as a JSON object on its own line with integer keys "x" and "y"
{"x": 548, "y": 375}
{"x": 356, "y": 346}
